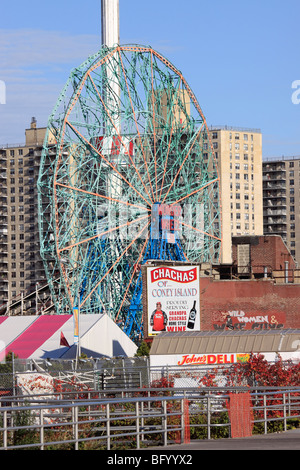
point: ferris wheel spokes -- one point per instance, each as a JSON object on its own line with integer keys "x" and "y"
{"x": 130, "y": 136}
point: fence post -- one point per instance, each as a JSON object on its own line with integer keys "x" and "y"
{"x": 265, "y": 414}
{"x": 42, "y": 435}
{"x": 108, "y": 425}
{"x": 5, "y": 430}
{"x": 284, "y": 410}
{"x": 137, "y": 413}
{"x": 182, "y": 419}
{"x": 142, "y": 421}
{"x": 164, "y": 423}
{"x": 75, "y": 421}
{"x": 208, "y": 415}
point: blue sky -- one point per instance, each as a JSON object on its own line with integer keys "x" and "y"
{"x": 239, "y": 57}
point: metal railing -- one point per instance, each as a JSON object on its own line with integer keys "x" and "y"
{"x": 138, "y": 421}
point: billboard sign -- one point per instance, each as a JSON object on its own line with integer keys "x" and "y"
{"x": 173, "y": 299}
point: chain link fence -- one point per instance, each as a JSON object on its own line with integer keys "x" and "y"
{"x": 89, "y": 374}
{"x": 105, "y": 374}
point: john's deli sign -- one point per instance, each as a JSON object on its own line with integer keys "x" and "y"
{"x": 191, "y": 359}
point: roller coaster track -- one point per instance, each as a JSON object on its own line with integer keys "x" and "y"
{"x": 21, "y": 306}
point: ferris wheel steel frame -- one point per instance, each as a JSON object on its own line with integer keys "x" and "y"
{"x": 124, "y": 146}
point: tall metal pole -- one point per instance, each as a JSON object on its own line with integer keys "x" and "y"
{"x": 110, "y": 20}
{"x": 110, "y": 23}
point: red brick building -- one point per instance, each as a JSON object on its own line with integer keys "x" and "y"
{"x": 262, "y": 255}
{"x": 248, "y": 304}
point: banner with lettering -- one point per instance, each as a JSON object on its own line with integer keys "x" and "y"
{"x": 173, "y": 299}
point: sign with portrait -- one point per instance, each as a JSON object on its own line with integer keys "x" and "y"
{"x": 173, "y": 299}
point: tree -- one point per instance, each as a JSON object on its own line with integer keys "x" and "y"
{"x": 143, "y": 349}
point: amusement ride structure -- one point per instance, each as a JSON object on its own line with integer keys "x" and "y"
{"x": 127, "y": 175}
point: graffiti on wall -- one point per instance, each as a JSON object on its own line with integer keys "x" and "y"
{"x": 240, "y": 320}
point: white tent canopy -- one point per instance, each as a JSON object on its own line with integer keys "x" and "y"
{"x": 40, "y": 337}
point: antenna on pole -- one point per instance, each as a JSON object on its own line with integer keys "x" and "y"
{"x": 110, "y": 21}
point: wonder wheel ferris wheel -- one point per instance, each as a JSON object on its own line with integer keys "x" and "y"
{"x": 127, "y": 175}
